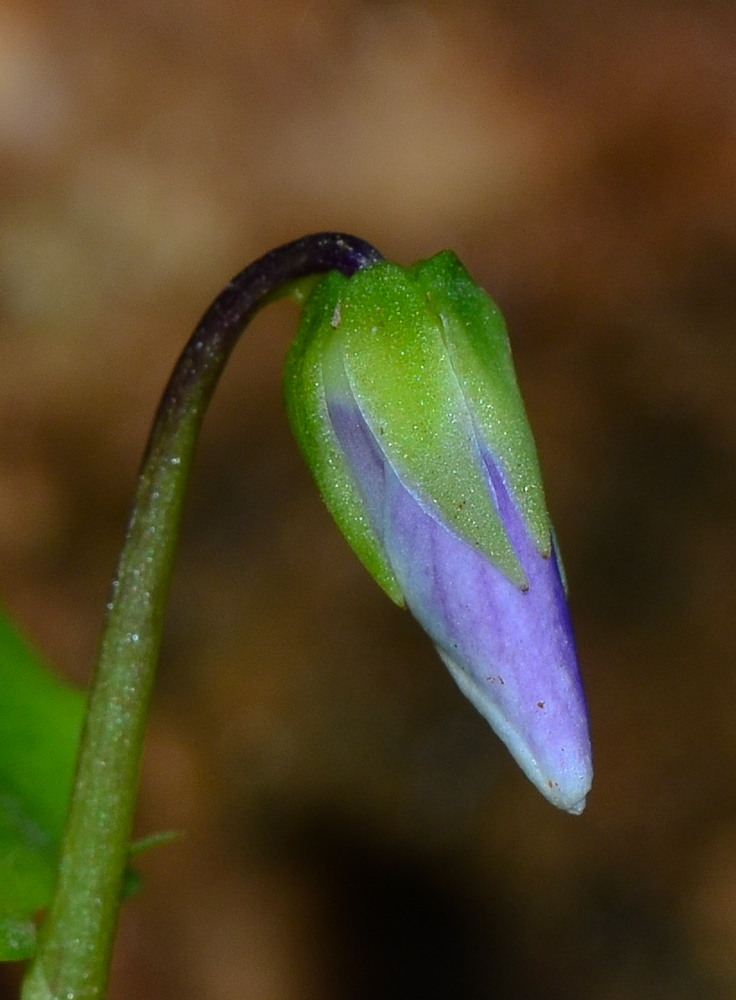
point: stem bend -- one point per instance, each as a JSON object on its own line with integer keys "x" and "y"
{"x": 76, "y": 938}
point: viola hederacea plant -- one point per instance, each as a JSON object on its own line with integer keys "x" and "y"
{"x": 401, "y": 392}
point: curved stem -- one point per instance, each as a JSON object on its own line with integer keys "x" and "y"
{"x": 76, "y": 939}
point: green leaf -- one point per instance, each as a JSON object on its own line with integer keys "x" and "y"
{"x": 40, "y": 722}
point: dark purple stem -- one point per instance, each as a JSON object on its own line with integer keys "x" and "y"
{"x": 209, "y": 347}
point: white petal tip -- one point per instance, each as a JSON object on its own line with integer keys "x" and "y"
{"x": 577, "y": 809}
{"x": 565, "y": 783}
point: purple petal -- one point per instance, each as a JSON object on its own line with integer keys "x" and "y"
{"x": 510, "y": 651}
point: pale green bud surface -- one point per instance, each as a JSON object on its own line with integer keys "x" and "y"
{"x": 402, "y": 395}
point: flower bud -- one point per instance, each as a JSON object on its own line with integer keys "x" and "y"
{"x": 402, "y": 395}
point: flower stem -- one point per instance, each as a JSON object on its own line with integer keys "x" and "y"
{"x": 76, "y": 938}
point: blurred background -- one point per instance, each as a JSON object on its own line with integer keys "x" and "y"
{"x": 351, "y": 829}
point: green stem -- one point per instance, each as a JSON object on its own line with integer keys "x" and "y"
{"x": 76, "y": 938}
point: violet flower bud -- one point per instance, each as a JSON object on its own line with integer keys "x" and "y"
{"x": 401, "y": 392}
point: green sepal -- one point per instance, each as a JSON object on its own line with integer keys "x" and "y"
{"x": 397, "y": 362}
{"x": 480, "y": 352}
{"x": 306, "y": 408}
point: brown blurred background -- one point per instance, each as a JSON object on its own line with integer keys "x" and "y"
{"x": 351, "y": 829}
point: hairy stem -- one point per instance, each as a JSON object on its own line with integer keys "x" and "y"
{"x": 76, "y": 938}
